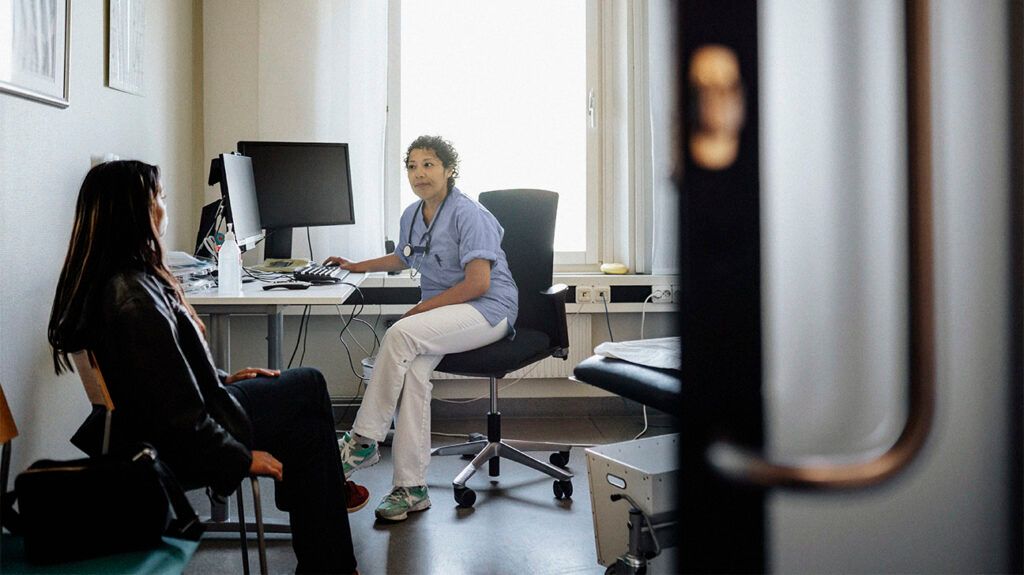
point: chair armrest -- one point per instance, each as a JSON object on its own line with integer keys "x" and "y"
{"x": 560, "y": 337}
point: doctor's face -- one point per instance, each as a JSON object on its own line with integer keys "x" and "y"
{"x": 427, "y": 175}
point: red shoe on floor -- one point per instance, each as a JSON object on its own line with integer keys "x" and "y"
{"x": 356, "y": 496}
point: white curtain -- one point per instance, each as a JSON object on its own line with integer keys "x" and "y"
{"x": 663, "y": 210}
{"x": 323, "y": 77}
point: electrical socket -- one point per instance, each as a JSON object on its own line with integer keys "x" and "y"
{"x": 602, "y": 292}
{"x": 584, "y": 294}
{"x": 662, "y": 294}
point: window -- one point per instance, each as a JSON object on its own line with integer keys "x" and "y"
{"x": 508, "y": 85}
{"x": 533, "y": 94}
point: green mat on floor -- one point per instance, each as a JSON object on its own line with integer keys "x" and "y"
{"x": 170, "y": 557}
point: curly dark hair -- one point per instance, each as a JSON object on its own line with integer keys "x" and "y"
{"x": 445, "y": 152}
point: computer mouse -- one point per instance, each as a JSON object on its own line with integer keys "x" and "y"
{"x": 288, "y": 285}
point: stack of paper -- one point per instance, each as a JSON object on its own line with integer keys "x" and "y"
{"x": 192, "y": 273}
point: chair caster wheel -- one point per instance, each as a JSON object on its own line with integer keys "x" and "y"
{"x": 559, "y": 459}
{"x": 562, "y": 489}
{"x": 465, "y": 497}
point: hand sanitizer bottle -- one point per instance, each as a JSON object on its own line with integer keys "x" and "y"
{"x": 229, "y": 266}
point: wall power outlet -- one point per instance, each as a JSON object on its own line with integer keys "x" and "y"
{"x": 662, "y": 294}
{"x": 584, "y": 294}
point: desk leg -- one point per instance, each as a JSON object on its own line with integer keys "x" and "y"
{"x": 275, "y": 339}
{"x": 219, "y": 332}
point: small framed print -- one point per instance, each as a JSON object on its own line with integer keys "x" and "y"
{"x": 35, "y": 50}
{"x": 126, "y": 54}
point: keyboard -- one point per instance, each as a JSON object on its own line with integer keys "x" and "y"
{"x": 316, "y": 273}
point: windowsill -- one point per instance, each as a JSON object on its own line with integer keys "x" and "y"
{"x": 403, "y": 279}
{"x": 598, "y": 278}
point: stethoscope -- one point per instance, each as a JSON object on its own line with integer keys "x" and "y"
{"x": 422, "y": 250}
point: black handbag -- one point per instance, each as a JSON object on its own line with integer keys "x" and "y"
{"x": 70, "y": 510}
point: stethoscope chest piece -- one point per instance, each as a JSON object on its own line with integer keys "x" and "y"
{"x": 410, "y": 249}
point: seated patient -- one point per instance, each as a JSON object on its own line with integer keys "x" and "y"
{"x": 116, "y": 297}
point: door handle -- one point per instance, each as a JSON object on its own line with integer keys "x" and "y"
{"x": 746, "y": 466}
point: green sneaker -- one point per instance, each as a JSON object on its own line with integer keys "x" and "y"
{"x": 355, "y": 455}
{"x": 402, "y": 501}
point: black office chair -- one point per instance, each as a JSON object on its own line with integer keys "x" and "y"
{"x": 528, "y": 217}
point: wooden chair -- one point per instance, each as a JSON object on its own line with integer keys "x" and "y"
{"x": 170, "y": 557}
{"x": 96, "y": 390}
{"x": 8, "y": 431}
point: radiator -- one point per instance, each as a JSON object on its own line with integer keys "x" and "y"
{"x": 580, "y": 348}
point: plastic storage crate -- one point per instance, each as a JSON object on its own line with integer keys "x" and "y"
{"x": 645, "y": 470}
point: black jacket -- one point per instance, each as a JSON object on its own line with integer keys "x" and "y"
{"x": 165, "y": 388}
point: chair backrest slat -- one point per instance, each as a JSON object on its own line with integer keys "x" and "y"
{"x": 96, "y": 389}
{"x": 8, "y": 430}
{"x": 92, "y": 379}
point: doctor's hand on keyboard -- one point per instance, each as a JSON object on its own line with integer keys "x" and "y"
{"x": 342, "y": 263}
{"x": 320, "y": 274}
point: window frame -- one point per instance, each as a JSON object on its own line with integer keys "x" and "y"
{"x": 613, "y": 227}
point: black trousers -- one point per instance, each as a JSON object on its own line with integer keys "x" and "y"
{"x": 292, "y": 420}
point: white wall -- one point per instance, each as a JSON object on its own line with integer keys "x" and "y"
{"x": 44, "y": 154}
{"x": 834, "y": 275}
{"x": 310, "y": 71}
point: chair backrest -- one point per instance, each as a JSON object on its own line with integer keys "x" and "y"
{"x": 8, "y": 430}
{"x": 528, "y": 217}
{"x": 95, "y": 388}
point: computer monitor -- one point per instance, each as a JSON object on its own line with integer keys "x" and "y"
{"x": 238, "y": 191}
{"x": 299, "y": 184}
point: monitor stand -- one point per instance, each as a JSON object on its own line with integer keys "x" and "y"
{"x": 278, "y": 244}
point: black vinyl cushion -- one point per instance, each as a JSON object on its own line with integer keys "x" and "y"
{"x": 658, "y": 388}
{"x": 500, "y": 357}
{"x": 528, "y": 218}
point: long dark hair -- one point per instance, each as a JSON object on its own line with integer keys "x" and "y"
{"x": 113, "y": 230}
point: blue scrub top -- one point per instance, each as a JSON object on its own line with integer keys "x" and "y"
{"x": 462, "y": 231}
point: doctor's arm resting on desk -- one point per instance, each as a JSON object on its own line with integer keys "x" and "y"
{"x": 476, "y": 284}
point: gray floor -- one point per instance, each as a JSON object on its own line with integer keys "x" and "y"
{"x": 516, "y": 525}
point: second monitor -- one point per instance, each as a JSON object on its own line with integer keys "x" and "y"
{"x": 299, "y": 184}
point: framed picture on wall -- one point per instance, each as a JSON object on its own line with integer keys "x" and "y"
{"x": 126, "y": 43}
{"x": 35, "y": 50}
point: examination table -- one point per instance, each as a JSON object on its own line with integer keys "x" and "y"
{"x": 649, "y": 532}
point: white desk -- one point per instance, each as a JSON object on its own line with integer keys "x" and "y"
{"x": 254, "y": 300}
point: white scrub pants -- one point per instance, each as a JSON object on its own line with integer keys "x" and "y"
{"x": 411, "y": 349}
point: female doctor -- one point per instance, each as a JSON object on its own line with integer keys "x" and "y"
{"x": 468, "y": 300}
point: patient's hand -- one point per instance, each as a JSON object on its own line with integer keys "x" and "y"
{"x": 251, "y": 372}
{"x": 266, "y": 465}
